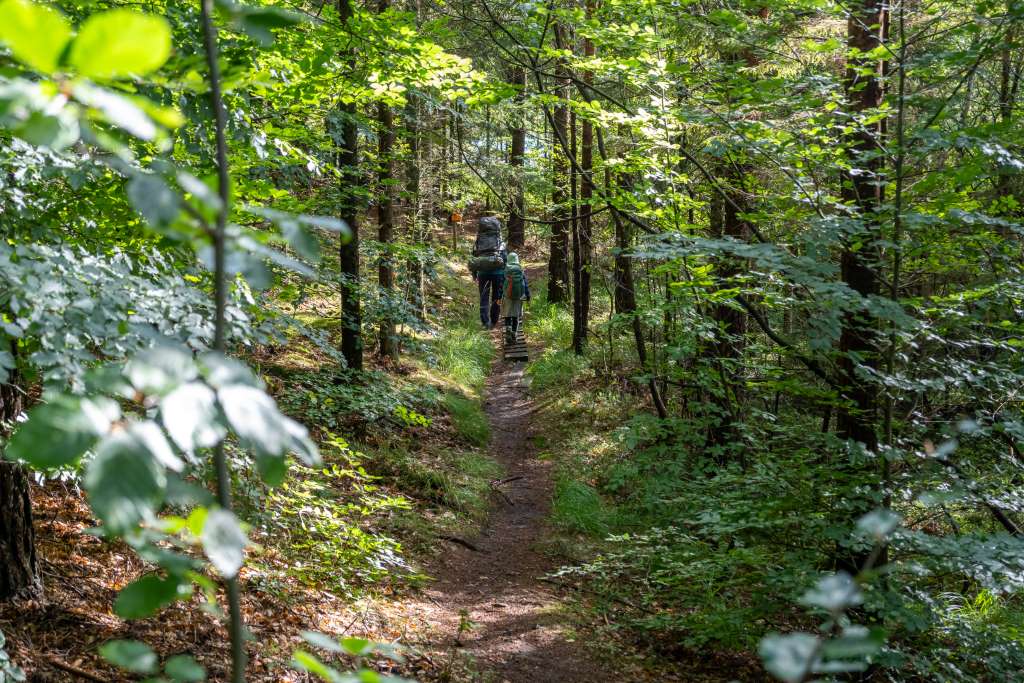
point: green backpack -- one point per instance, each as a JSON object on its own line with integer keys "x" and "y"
{"x": 516, "y": 286}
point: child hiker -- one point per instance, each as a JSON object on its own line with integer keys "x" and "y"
{"x": 514, "y": 292}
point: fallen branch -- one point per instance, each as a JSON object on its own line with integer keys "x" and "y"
{"x": 74, "y": 670}
{"x": 503, "y": 495}
{"x": 463, "y": 542}
{"x": 506, "y": 480}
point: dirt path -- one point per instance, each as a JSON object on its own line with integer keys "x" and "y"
{"x": 517, "y": 634}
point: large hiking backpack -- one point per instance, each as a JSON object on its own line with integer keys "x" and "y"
{"x": 516, "y": 287}
{"x": 488, "y": 247}
{"x": 488, "y": 237}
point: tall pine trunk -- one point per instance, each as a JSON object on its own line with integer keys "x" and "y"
{"x": 416, "y": 234}
{"x": 386, "y": 218}
{"x": 348, "y": 162}
{"x": 517, "y": 154}
{"x": 581, "y": 320}
{"x": 575, "y": 231}
{"x": 856, "y": 419}
{"x": 727, "y": 222}
{"x": 558, "y": 258}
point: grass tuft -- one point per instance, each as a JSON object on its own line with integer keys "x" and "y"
{"x": 577, "y": 507}
{"x": 555, "y": 369}
{"x": 469, "y": 419}
{"x": 464, "y": 354}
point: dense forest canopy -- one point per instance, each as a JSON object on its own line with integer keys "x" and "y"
{"x": 775, "y": 321}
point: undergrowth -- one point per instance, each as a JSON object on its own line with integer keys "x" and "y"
{"x": 410, "y": 464}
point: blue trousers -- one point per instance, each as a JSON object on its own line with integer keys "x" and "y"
{"x": 490, "y": 291}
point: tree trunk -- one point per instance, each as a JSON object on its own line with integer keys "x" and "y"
{"x": 386, "y": 218}
{"x": 582, "y": 293}
{"x": 726, "y": 222}
{"x": 856, "y": 418}
{"x": 19, "y": 569}
{"x": 1008, "y": 86}
{"x": 415, "y": 231}
{"x": 517, "y": 217}
{"x": 625, "y": 299}
{"x": 577, "y": 344}
{"x": 348, "y": 162}
{"x": 558, "y": 259}
{"x": 622, "y": 268}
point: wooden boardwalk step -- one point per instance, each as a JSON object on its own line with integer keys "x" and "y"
{"x": 517, "y": 350}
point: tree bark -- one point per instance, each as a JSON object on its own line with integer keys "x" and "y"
{"x": 558, "y": 258}
{"x": 386, "y": 217}
{"x": 19, "y": 566}
{"x": 414, "y": 216}
{"x": 625, "y": 299}
{"x": 348, "y": 256}
{"x": 726, "y": 222}
{"x": 577, "y": 344}
{"x": 517, "y": 154}
{"x": 582, "y": 292}
{"x": 856, "y": 418}
{"x": 862, "y": 191}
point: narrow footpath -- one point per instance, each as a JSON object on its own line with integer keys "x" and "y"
{"x": 490, "y": 602}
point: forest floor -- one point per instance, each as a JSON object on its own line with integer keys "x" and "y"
{"x": 490, "y": 600}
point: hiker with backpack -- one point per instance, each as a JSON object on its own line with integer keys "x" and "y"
{"x": 488, "y": 268}
{"x": 514, "y": 292}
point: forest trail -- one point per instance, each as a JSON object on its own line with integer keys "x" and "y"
{"x": 517, "y": 632}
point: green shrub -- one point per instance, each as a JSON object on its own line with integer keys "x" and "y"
{"x": 322, "y": 518}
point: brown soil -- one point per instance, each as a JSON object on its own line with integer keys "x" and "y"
{"x": 491, "y": 603}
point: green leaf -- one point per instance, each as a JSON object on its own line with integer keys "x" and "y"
{"x": 47, "y": 130}
{"x": 307, "y": 662}
{"x": 145, "y": 596}
{"x": 184, "y": 668}
{"x": 834, "y": 592}
{"x": 296, "y": 229}
{"x": 36, "y": 34}
{"x": 789, "y": 657}
{"x": 857, "y": 642}
{"x": 131, "y": 655}
{"x": 254, "y": 416}
{"x": 189, "y": 414}
{"x": 59, "y": 432}
{"x": 220, "y": 371}
{"x": 224, "y": 542}
{"x": 323, "y": 641}
{"x": 121, "y": 42}
{"x": 117, "y": 110}
{"x": 878, "y": 524}
{"x": 272, "y": 470}
{"x": 154, "y": 200}
{"x": 152, "y": 439}
{"x": 160, "y": 370}
{"x": 258, "y": 22}
{"x": 124, "y": 483}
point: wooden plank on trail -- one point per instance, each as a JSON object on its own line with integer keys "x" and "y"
{"x": 517, "y": 351}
